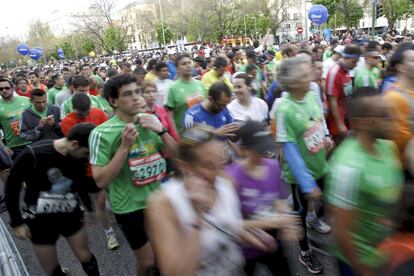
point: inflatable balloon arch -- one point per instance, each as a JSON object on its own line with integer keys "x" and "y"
{"x": 36, "y": 53}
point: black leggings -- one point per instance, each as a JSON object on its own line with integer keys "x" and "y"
{"x": 300, "y": 206}
{"x": 274, "y": 261}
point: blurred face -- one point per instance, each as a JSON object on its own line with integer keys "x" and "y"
{"x": 150, "y": 95}
{"x": 40, "y": 103}
{"x": 33, "y": 79}
{"x": 66, "y": 75}
{"x": 219, "y": 105}
{"x": 241, "y": 90}
{"x": 42, "y": 78}
{"x": 60, "y": 82}
{"x": 305, "y": 76}
{"x": 350, "y": 63}
{"x": 129, "y": 101}
{"x": 407, "y": 67}
{"x": 164, "y": 73}
{"x": 126, "y": 70}
{"x": 23, "y": 85}
{"x": 380, "y": 121}
{"x": 185, "y": 67}
{"x": 86, "y": 71}
{"x": 220, "y": 71}
{"x": 373, "y": 59}
{"x": 72, "y": 68}
{"x": 408, "y": 39}
{"x": 317, "y": 69}
{"x": 6, "y": 90}
{"x": 82, "y": 89}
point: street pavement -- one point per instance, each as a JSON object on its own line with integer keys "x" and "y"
{"x": 122, "y": 262}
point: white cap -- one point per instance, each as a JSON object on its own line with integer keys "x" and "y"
{"x": 339, "y": 49}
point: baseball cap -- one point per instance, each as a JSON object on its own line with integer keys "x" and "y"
{"x": 339, "y": 49}
{"x": 253, "y": 136}
{"x": 271, "y": 53}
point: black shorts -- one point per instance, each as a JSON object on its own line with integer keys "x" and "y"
{"x": 132, "y": 225}
{"x": 46, "y": 229}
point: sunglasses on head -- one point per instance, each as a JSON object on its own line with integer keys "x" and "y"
{"x": 4, "y": 88}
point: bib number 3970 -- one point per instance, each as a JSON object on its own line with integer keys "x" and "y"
{"x": 148, "y": 169}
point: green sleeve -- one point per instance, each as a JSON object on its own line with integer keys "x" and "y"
{"x": 171, "y": 99}
{"x": 51, "y": 96}
{"x": 100, "y": 154}
{"x": 285, "y": 131}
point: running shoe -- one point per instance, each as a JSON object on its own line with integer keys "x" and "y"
{"x": 318, "y": 225}
{"x": 111, "y": 241}
{"x": 311, "y": 262}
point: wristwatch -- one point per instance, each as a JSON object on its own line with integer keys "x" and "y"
{"x": 163, "y": 131}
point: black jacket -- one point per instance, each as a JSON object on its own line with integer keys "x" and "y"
{"x": 30, "y": 129}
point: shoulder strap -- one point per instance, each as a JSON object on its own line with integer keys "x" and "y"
{"x": 410, "y": 101}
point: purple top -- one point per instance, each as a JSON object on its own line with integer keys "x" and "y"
{"x": 257, "y": 196}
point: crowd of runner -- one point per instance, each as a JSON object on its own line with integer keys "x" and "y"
{"x": 211, "y": 160}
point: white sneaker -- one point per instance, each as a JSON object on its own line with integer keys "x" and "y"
{"x": 318, "y": 225}
{"x": 111, "y": 241}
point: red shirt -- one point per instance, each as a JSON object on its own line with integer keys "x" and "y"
{"x": 93, "y": 92}
{"x": 166, "y": 121}
{"x": 41, "y": 86}
{"x": 338, "y": 84}
{"x": 20, "y": 93}
{"x": 96, "y": 117}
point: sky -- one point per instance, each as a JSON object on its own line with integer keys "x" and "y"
{"x": 17, "y": 14}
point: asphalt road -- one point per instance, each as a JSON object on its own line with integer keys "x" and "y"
{"x": 122, "y": 262}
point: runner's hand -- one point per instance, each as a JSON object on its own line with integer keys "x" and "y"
{"x": 291, "y": 228}
{"x": 342, "y": 130}
{"x": 51, "y": 121}
{"x": 315, "y": 194}
{"x": 129, "y": 136}
{"x": 151, "y": 122}
{"x": 227, "y": 130}
{"x": 22, "y": 232}
{"x": 42, "y": 122}
{"x": 329, "y": 144}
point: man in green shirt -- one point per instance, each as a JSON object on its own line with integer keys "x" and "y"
{"x": 58, "y": 85}
{"x": 11, "y": 109}
{"x": 364, "y": 185}
{"x": 127, "y": 161}
{"x": 370, "y": 74}
{"x": 184, "y": 93}
{"x": 80, "y": 85}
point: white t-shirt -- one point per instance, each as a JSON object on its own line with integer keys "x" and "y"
{"x": 163, "y": 87}
{"x": 327, "y": 64}
{"x": 257, "y": 110}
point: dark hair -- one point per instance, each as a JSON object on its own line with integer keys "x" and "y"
{"x": 70, "y": 80}
{"x": 65, "y": 69}
{"x": 356, "y": 105}
{"x": 37, "y": 93}
{"x": 55, "y": 78}
{"x": 398, "y": 56}
{"x": 79, "y": 81}
{"x": 19, "y": 79}
{"x": 112, "y": 86}
{"x": 180, "y": 57}
{"x": 287, "y": 50}
{"x": 85, "y": 65}
{"x": 80, "y": 132}
{"x": 373, "y": 45}
{"x": 192, "y": 138}
{"x": 7, "y": 80}
{"x": 250, "y": 67}
{"x": 160, "y": 65}
{"x": 247, "y": 79}
{"x": 151, "y": 64}
{"x": 138, "y": 62}
{"x": 386, "y": 46}
{"x": 352, "y": 50}
{"x": 112, "y": 72}
{"x": 126, "y": 64}
{"x": 33, "y": 73}
{"x": 256, "y": 43}
{"x": 81, "y": 102}
{"x": 217, "y": 89}
{"x": 220, "y": 62}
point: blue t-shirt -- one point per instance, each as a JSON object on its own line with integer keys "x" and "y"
{"x": 199, "y": 115}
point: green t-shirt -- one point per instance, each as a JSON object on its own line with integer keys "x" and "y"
{"x": 301, "y": 122}
{"x": 271, "y": 68}
{"x": 51, "y": 94}
{"x": 104, "y": 141}
{"x": 327, "y": 54}
{"x": 106, "y": 107}
{"x": 67, "y": 106}
{"x": 370, "y": 186}
{"x": 182, "y": 96}
{"x": 10, "y": 117}
{"x": 41, "y": 114}
{"x": 366, "y": 77}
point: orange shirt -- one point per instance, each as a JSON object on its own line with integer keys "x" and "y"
{"x": 399, "y": 248}
{"x": 401, "y": 111}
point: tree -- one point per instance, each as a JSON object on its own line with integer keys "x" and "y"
{"x": 346, "y": 13}
{"x": 113, "y": 39}
{"x": 41, "y": 35}
{"x": 395, "y": 10}
{"x": 88, "y": 45}
{"x": 168, "y": 34}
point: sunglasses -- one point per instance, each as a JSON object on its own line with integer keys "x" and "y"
{"x": 197, "y": 135}
{"x": 4, "y": 88}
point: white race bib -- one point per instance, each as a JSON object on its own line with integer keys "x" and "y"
{"x": 148, "y": 169}
{"x": 314, "y": 138}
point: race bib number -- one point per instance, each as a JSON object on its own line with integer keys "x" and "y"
{"x": 192, "y": 101}
{"x": 314, "y": 138}
{"x": 15, "y": 126}
{"x": 348, "y": 90}
{"x": 49, "y": 203}
{"x": 148, "y": 169}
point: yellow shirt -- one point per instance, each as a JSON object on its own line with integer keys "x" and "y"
{"x": 151, "y": 76}
{"x": 401, "y": 111}
{"x": 279, "y": 56}
{"x": 211, "y": 77}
